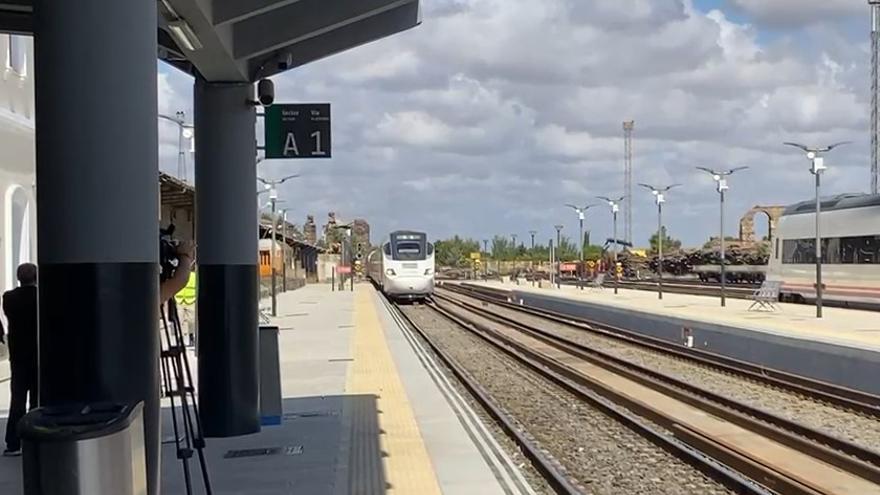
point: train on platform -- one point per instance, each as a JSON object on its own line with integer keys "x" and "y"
{"x": 850, "y": 228}
{"x": 403, "y": 266}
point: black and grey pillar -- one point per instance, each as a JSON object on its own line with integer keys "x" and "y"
{"x": 98, "y": 207}
{"x": 226, "y": 219}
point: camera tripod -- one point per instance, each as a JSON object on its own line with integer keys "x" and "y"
{"x": 178, "y": 386}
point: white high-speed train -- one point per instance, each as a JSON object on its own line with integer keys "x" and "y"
{"x": 850, "y": 227}
{"x": 404, "y": 266}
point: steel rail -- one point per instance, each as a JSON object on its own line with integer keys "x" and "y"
{"x": 831, "y": 450}
{"x": 856, "y": 400}
{"x": 705, "y": 464}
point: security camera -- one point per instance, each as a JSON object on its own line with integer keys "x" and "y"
{"x": 285, "y": 61}
{"x": 266, "y": 92}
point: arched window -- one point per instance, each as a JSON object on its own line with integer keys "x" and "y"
{"x": 19, "y": 238}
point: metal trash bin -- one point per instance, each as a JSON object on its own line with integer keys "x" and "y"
{"x": 91, "y": 449}
{"x": 270, "y": 377}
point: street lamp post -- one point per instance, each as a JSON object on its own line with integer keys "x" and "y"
{"x": 513, "y": 236}
{"x": 558, "y": 261}
{"x": 615, "y": 208}
{"x": 184, "y": 131}
{"x": 273, "y": 198}
{"x": 659, "y": 199}
{"x": 284, "y": 249}
{"x": 720, "y": 178}
{"x": 486, "y": 250}
{"x": 582, "y": 212}
{"x": 817, "y": 161}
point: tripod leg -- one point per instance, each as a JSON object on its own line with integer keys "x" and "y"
{"x": 167, "y": 369}
{"x": 184, "y": 375}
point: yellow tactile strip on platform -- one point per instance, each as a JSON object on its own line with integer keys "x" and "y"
{"x": 407, "y": 465}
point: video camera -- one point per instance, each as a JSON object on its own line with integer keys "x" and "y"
{"x": 168, "y": 259}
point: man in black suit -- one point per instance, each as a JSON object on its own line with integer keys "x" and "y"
{"x": 20, "y": 307}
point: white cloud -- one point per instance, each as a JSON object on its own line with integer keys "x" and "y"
{"x": 493, "y": 113}
{"x": 786, "y": 12}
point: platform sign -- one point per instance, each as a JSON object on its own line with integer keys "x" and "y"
{"x": 343, "y": 269}
{"x": 300, "y": 130}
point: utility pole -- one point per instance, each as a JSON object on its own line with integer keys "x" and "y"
{"x": 875, "y": 94}
{"x": 628, "y": 128}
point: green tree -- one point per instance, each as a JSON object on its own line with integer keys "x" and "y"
{"x": 669, "y": 244}
{"x": 455, "y": 252}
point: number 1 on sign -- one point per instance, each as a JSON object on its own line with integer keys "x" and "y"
{"x": 318, "y": 151}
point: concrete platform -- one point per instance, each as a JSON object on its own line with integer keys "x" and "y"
{"x": 843, "y": 347}
{"x": 362, "y": 414}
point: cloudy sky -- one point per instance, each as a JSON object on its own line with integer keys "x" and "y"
{"x": 492, "y": 114}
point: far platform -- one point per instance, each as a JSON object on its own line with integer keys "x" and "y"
{"x": 362, "y": 414}
{"x": 843, "y": 347}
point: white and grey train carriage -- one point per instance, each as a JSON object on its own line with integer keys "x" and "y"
{"x": 850, "y": 227}
{"x": 404, "y": 266}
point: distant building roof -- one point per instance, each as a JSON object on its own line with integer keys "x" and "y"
{"x": 175, "y": 192}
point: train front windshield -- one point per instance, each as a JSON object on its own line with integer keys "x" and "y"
{"x": 410, "y": 247}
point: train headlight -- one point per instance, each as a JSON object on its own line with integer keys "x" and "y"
{"x": 428, "y": 271}
{"x": 390, "y": 272}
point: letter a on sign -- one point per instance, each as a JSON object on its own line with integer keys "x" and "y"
{"x": 290, "y": 145}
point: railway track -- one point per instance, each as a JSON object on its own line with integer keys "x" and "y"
{"x": 577, "y": 440}
{"x": 775, "y": 451}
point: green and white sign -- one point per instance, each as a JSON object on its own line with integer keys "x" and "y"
{"x": 300, "y": 130}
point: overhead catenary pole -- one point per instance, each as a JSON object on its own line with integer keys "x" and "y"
{"x": 628, "y": 128}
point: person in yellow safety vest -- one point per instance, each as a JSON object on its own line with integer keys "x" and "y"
{"x": 187, "y": 295}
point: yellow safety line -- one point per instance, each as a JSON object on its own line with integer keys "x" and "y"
{"x": 408, "y": 468}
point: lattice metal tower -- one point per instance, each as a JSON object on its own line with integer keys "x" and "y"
{"x": 875, "y": 96}
{"x": 628, "y": 127}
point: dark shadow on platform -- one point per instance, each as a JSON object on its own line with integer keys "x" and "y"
{"x": 325, "y": 446}
{"x": 10, "y": 467}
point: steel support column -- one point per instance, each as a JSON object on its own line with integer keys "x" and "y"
{"x": 98, "y": 207}
{"x": 226, "y": 218}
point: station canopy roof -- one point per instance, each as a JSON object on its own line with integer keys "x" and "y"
{"x": 247, "y": 40}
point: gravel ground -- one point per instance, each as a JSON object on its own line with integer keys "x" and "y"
{"x": 600, "y": 454}
{"x": 533, "y": 477}
{"x": 848, "y": 425}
